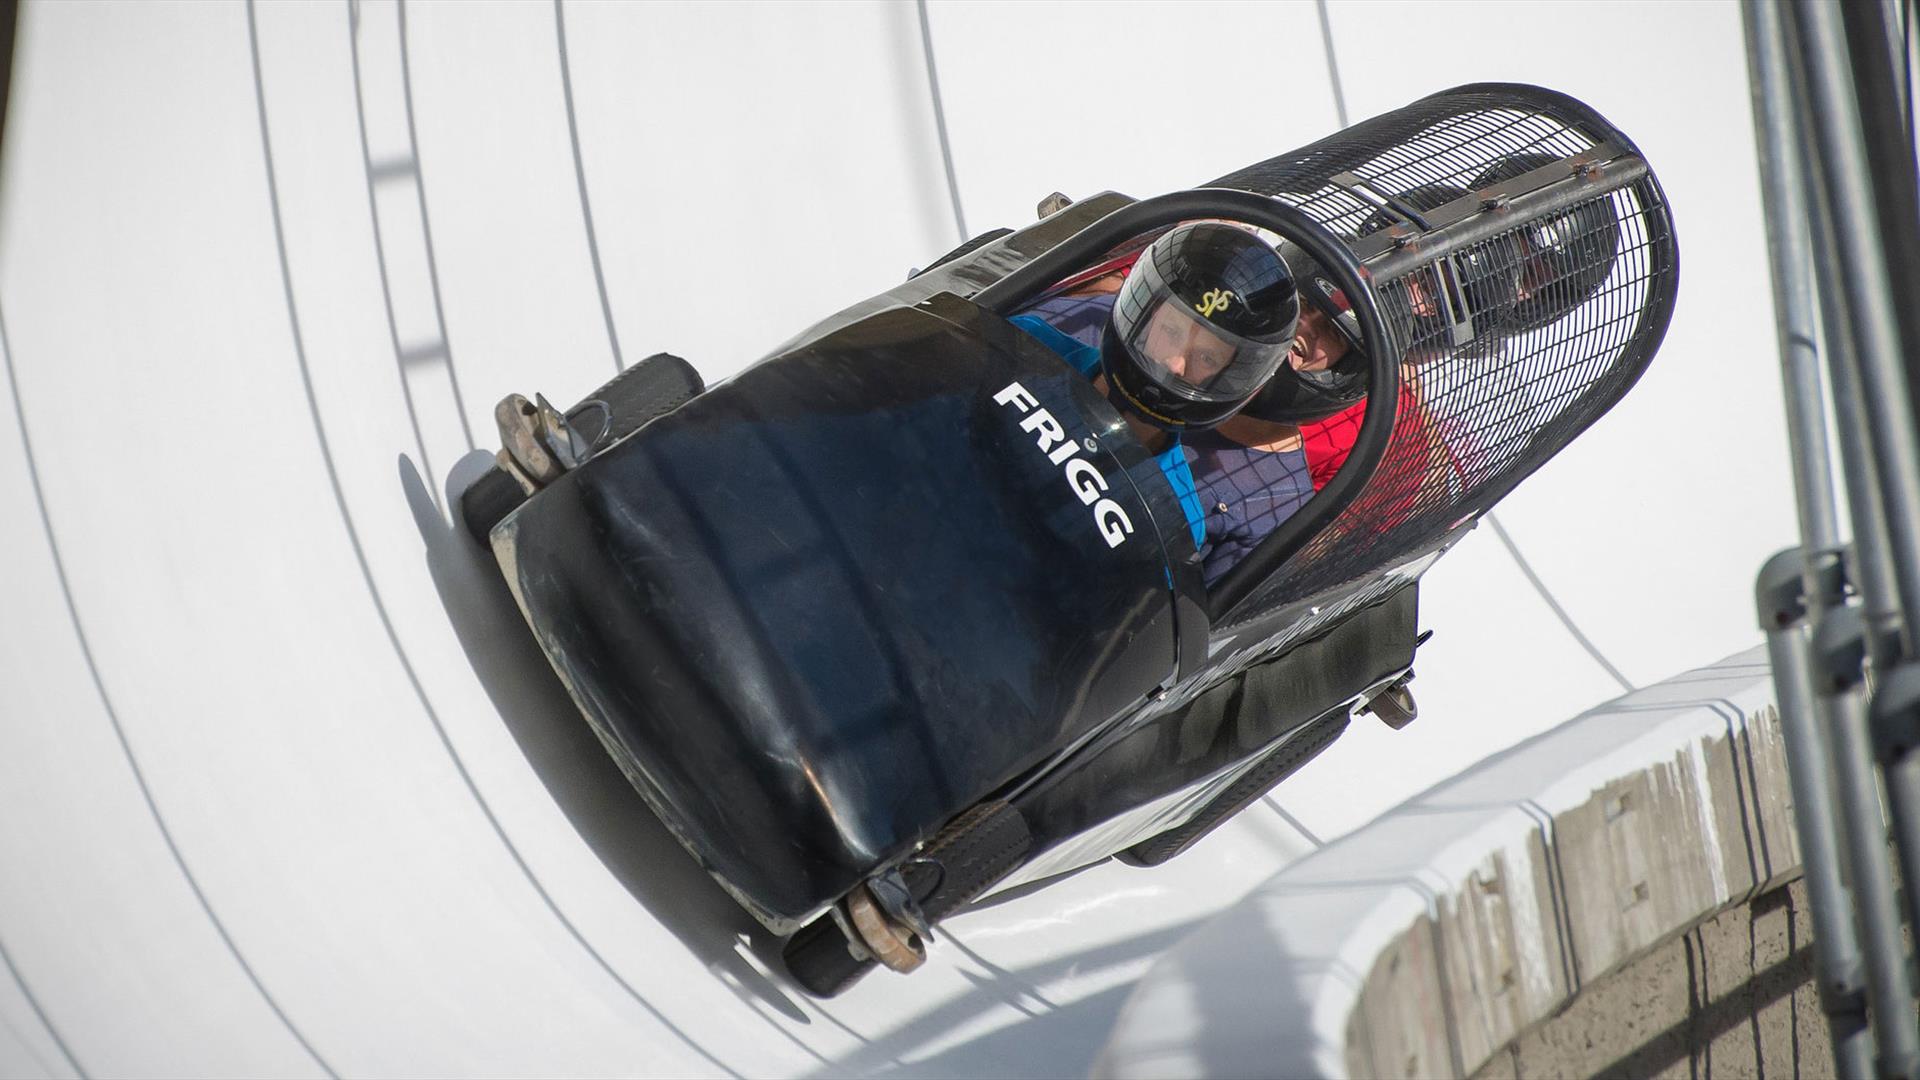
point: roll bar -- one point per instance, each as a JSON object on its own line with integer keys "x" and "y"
{"x": 1005, "y": 296}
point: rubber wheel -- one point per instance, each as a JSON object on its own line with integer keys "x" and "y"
{"x": 818, "y": 959}
{"x": 491, "y": 498}
{"x": 1395, "y": 707}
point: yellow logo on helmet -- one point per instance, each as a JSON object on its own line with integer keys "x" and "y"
{"x": 1214, "y": 300}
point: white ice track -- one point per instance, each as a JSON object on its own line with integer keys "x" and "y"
{"x": 285, "y": 788}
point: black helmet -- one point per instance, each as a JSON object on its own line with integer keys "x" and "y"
{"x": 1485, "y": 283}
{"x": 1564, "y": 258}
{"x": 1294, "y": 396}
{"x": 1205, "y": 316}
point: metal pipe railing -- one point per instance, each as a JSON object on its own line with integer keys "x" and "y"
{"x": 1798, "y": 583}
{"x": 1829, "y": 167}
{"x": 1839, "y": 967}
{"x": 1842, "y": 164}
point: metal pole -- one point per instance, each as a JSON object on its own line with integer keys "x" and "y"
{"x": 1872, "y": 564}
{"x": 1809, "y": 576}
{"x": 1895, "y": 714}
{"x": 1839, "y": 969}
{"x": 1868, "y": 290}
{"x": 1839, "y": 645}
{"x": 1877, "y": 53}
{"x": 1883, "y": 483}
{"x": 1790, "y": 254}
{"x": 1877, "y": 172}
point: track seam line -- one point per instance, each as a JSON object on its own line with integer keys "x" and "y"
{"x": 34, "y": 1003}
{"x": 1566, "y": 620}
{"x": 386, "y": 622}
{"x": 939, "y": 119}
{"x": 580, "y": 178}
{"x": 426, "y": 229}
{"x": 1333, "y": 64}
{"x": 379, "y": 241}
{"x": 113, "y": 715}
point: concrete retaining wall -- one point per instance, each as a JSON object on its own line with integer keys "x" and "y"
{"x": 1426, "y": 943}
{"x": 1734, "y": 996}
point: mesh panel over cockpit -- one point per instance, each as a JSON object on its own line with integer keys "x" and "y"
{"x": 1553, "y": 343}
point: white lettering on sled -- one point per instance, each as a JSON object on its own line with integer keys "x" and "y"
{"x": 1083, "y": 476}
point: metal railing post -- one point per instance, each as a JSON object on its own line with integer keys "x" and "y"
{"x": 1861, "y": 266}
{"x": 1783, "y": 190}
{"x": 1839, "y": 144}
{"x": 1818, "y": 182}
{"x": 1840, "y": 651}
{"x": 1838, "y": 966}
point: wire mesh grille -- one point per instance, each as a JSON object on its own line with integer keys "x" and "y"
{"x": 1555, "y": 341}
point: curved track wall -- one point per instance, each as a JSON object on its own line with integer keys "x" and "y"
{"x": 1438, "y": 939}
{"x": 284, "y": 789}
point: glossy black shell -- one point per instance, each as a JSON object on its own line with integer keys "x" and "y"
{"x": 827, "y": 602}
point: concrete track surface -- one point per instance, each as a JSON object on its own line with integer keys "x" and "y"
{"x": 285, "y": 789}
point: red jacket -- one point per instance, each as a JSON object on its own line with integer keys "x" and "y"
{"x": 1406, "y": 477}
{"x": 1329, "y": 441}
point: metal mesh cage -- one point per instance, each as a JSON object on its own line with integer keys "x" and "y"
{"x": 1507, "y": 354}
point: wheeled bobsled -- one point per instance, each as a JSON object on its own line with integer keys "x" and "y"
{"x": 903, "y": 613}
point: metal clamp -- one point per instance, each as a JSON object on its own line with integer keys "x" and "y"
{"x": 1780, "y": 592}
{"x": 539, "y": 443}
{"x": 1895, "y": 712}
{"x": 1840, "y": 649}
{"x": 883, "y": 933}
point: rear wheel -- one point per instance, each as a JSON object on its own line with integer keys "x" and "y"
{"x": 822, "y": 960}
{"x": 489, "y": 499}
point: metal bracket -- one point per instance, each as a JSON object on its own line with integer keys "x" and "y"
{"x": 1361, "y": 188}
{"x": 896, "y": 944}
{"x": 539, "y": 443}
{"x": 1409, "y": 226}
{"x": 1399, "y": 249}
{"x": 1830, "y": 571}
{"x": 1052, "y": 205}
{"x": 854, "y": 947}
{"x": 1840, "y": 649}
{"x": 1895, "y": 712}
{"x": 1780, "y": 591}
{"x": 891, "y": 892}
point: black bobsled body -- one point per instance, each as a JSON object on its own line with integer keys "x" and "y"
{"x": 904, "y": 612}
{"x": 834, "y": 598}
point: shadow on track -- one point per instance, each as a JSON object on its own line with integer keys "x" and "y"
{"x": 584, "y": 781}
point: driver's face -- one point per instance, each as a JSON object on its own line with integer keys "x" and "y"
{"x": 1317, "y": 345}
{"x": 1185, "y": 347}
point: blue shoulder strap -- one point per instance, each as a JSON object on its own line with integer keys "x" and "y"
{"x": 1173, "y": 464}
{"x": 1084, "y": 358}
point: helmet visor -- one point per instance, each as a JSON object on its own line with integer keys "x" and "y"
{"x": 1184, "y": 352}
